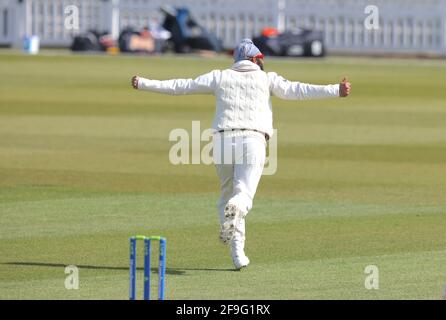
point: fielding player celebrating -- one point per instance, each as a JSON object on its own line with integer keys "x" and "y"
{"x": 243, "y": 124}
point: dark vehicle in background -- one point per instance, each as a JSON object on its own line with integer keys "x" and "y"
{"x": 293, "y": 43}
{"x": 186, "y": 34}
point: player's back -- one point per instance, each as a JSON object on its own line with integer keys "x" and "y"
{"x": 243, "y": 100}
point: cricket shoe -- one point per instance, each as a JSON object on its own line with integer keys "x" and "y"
{"x": 233, "y": 216}
{"x": 238, "y": 255}
{"x": 240, "y": 262}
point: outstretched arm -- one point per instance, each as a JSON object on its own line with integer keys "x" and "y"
{"x": 286, "y": 89}
{"x": 204, "y": 84}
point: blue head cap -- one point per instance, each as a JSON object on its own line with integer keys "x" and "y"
{"x": 245, "y": 50}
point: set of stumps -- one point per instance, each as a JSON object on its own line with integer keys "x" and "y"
{"x": 147, "y": 268}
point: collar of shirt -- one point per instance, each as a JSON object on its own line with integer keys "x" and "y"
{"x": 244, "y": 66}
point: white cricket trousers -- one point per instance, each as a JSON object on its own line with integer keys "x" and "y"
{"x": 239, "y": 157}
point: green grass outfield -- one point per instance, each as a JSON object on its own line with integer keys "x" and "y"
{"x": 84, "y": 165}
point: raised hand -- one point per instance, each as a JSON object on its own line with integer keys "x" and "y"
{"x": 344, "y": 88}
{"x": 135, "y": 82}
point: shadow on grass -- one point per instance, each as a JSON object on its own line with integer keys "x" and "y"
{"x": 169, "y": 271}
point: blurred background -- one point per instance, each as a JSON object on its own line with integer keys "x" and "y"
{"x": 283, "y": 27}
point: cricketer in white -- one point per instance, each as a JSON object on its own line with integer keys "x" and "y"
{"x": 243, "y": 123}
